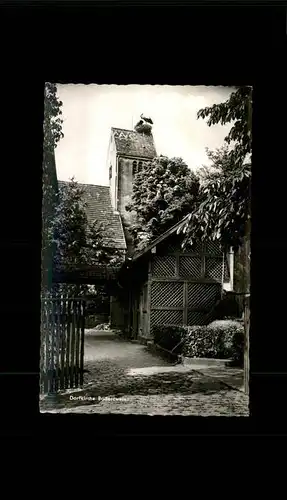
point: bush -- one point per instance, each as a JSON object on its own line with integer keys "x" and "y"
{"x": 215, "y": 341}
{"x": 221, "y": 339}
{"x": 169, "y": 336}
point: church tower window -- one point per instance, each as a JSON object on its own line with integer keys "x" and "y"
{"x": 140, "y": 166}
{"x": 110, "y": 172}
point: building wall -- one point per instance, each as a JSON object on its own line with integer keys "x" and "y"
{"x": 183, "y": 287}
{"x": 121, "y": 171}
{"x": 111, "y": 167}
{"x": 125, "y": 188}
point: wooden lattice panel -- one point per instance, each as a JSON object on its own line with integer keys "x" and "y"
{"x": 165, "y": 317}
{"x": 163, "y": 266}
{"x": 166, "y": 294}
{"x": 196, "y": 247}
{"x": 213, "y": 248}
{"x": 213, "y": 268}
{"x": 195, "y": 318}
{"x": 202, "y": 295}
{"x": 190, "y": 267}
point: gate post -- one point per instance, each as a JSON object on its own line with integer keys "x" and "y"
{"x": 246, "y": 342}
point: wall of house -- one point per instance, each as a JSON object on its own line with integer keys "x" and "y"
{"x": 125, "y": 187}
{"x": 184, "y": 287}
{"x": 111, "y": 167}
{"x": 228, "y": 281}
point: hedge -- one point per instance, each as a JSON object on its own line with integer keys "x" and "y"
{"x": 215, "y": 342}
{"x": 212, "y": 341}
{"x": 169, "y": 337}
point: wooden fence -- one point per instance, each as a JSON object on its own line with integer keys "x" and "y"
{"x": 62, "y": 343}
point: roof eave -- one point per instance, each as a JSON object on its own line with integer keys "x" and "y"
{"x": 161, "y": 238}
{"x": 135, "y": 157}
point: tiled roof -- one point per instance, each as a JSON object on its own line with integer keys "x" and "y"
{"x": 99, "y": 207}
{"x": 129, "y": 142}
{"x": 90, "y": 274}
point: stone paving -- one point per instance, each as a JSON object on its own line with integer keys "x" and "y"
{"x": 124, "y": 377}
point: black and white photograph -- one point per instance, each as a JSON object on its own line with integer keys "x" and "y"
{"x": 146, "y": 223}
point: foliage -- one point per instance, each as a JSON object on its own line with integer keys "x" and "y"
{"x": 218, "y": 340}
{"x": 215, "y": 342}
{"x": 68, "y": 239}
{"x": 52, "y": 118}
{"x": 223, "y": 208}
{"x": 98, "y": 300}
{"x": 52, "y": 128}
{"x": 77, "y": 242}
{"x": 220, "y": 165}
{"x": 52, "y": 133}
{"x": 164, "y": 192}
{"x": 237, "y": 110}
{"x": 169, "y": 337}
{"x": 223, "y": 212}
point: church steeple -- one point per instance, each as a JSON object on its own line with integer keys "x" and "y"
{"x": 129, "y": 151}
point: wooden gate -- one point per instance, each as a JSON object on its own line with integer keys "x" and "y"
{"x": 62, "y": 343}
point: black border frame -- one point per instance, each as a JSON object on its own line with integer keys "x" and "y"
{"x": 100, "y": 43}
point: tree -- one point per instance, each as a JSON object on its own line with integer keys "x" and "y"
{"x": 76, "y": 241}
{"x": 52, "y": 133}
{"x": 68, "y": 239}
{"x": 220, "y": 165}
{"x": 163, "y": 193}
{"x": 224, "y": 210}
{"x": 52, "y": 118}
{"x": 236, "y": 110}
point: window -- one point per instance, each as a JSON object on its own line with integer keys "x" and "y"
{"x": 140, "y": 166}
{"x": 135, "y": 170}
{"x": 110, "y": 172}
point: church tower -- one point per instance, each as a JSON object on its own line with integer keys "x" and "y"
{"x": 129, "y": 151}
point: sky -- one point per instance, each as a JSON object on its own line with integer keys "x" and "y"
{"x": 89, "y": 112}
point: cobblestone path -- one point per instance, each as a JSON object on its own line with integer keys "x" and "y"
{"x": 124, "y": 377}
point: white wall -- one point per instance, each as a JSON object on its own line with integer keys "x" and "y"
{"x": 112, "y": 160}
